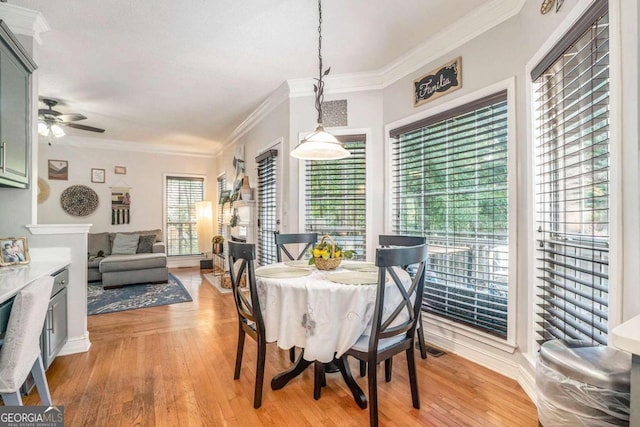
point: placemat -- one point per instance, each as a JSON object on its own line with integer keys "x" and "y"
{"x": 281, "y": 272}
{"x": 353, "y": 277}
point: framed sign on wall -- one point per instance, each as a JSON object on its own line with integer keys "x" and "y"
{"x": 438, "y": 82}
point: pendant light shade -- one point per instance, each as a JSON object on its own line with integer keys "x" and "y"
{"x": 320, "y": 145}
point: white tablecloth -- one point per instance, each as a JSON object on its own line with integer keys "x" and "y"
{"x": 323, "y": 317}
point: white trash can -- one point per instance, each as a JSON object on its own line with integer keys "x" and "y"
{"x": 580, "y": 384}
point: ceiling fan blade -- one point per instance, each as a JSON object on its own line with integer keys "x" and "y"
{"x": 84, "y": 127}
{"x": 48, "y": 112}
{"x": 73, "y": 117}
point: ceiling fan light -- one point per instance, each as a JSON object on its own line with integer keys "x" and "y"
{"x": 320, "y": 145}
{"x": 57, "y": 131}
{"x": 43, "y": 129}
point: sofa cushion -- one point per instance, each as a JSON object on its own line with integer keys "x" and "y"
{"x": 125, "y": 244}
{"x": 145, "y": 244}
{"x": 132, "y": 262}
{"x": 99, "y": 242}
{"x": 94, "y": 262}
{"x": 157, "y": 232}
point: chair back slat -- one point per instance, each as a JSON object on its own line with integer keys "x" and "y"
{"x": 290, "y": 239}
{"x": 390, "y": 261}
{"x": 241, "y": 264}
{"x": 389, "y": 240}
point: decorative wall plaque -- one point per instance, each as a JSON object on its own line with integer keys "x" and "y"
{"x": 438, "y": 82}
{"x": 79, "y": 200}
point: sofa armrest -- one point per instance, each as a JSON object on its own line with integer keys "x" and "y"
{"x": 158, "y": 248}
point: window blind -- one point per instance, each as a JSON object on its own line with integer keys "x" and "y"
{"x": 222, "y": 185}
{"x": 267, "y": 206}
{"x": 182, "y": 195}
{"x": 572, "y": 190}
{"x": 449, "y": 184}
{"x": 335, "y": 197}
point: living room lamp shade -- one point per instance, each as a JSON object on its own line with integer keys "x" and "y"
{"x": 204, "y": 225}
{"x": 320, "y": 144}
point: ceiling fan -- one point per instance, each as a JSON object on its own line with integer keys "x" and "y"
{"x": 50, "y": 121}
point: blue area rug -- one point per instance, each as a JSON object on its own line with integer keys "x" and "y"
{"x": 130, "y": 297}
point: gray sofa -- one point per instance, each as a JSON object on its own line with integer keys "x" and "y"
{"x": 143, "y": 261}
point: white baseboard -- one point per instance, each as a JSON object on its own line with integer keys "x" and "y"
{"x": 527, "y": 381}
{"x": 76, "y": 345}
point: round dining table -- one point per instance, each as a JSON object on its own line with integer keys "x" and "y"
{"x": 322, "y": 312}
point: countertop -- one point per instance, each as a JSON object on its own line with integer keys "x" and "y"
{"x": 626, "y": 336}
{"x": 15, "y": 277}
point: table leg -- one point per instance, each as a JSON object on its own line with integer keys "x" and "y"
{"x": 356, "y": 391}
{"x": 283, "y": 378}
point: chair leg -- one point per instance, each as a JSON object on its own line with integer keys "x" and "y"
{"x": 292, "y": 354}
{"x": 387, "y": 369}
{"x": 421, "y": 342}
{"x": 363, "y": 368}
{"x": 40, "y": 378}
{"x": 318, "y": 379}
{"x": 372, "y": 379}
{"x": 239, "y": 352}
{"x": 413, "y": 377}
{"x": 12, "y": 399}
{"x": 262, "y": 351}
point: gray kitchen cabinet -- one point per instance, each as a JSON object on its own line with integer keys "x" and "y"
{"x": 15, "y": 110}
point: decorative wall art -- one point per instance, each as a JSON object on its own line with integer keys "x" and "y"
{"x": 334, "y": 113}
{"x": 43, "y": 190}
{"x": 79, "y": 200}
{"x": 120, "y": 205}
{"x": 120, "y": 170}
{"x": 238, "y": 164}
{"x": 97, "y": 175}
{"x": 438, "y": 82}
{"x": 14, "y": 251}
{"x": 59, "y": 169}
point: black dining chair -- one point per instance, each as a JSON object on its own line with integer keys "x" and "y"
{"x": 250, "y": 321}
{"x": 393, "y": 333}
{"x": 388, "y": 241}
{"x": 282, "y": 241}
{"x": 390, "y": 334}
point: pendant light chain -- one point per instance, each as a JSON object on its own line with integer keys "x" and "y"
{"x": 319, "y": 89}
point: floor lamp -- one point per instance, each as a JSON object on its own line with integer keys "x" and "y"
{"x": 204, "y": 227}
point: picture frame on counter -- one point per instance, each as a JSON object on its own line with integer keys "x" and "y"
{"x": 97, "y": 175}
{"x": 14, "y": 251}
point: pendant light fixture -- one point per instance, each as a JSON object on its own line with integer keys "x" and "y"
{"x": 320, "y": 145}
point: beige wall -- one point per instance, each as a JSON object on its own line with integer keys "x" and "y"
{"x": 145, "y": 176}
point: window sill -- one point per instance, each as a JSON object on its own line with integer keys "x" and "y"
{"x": 448, "y": 330}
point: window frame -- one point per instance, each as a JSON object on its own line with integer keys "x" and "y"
{"x": 165, "y": 206}
{"x": 369, "y": 177}
{"x": 277, "y": 183}
{"x": 447, "y": 329}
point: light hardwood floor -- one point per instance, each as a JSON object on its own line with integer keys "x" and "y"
{"x": 173, "y": 366}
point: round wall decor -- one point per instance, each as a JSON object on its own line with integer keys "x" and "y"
{"x": 79, "y": 200}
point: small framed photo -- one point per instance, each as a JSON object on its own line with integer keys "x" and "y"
{"x": 224, "y": 196}
{"x": 97, "y": 175}
{"x": 14, "y": 251}
{"x": 120, "y": 170}
{"x": 59, "y": 169}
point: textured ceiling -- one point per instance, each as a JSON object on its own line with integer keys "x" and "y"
{"x": 187, "y": 73}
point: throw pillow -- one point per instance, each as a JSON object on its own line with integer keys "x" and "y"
{"x": 145, "y": 244}
{"x": 98, "y": 242}
{"x": 125, "y": 244}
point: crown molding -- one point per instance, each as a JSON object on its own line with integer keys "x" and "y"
{"x": 460, "y": 32}
{"x": 275, "y": 98}
{"x": 24, "y": 21}
{"x": 139, "y": 147}
{"x": 340, "y": 83}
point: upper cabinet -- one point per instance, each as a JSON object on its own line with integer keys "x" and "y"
{"x": 16, "y": 67}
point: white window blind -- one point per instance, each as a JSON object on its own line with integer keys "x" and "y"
{"x": 450, "y": 185}
{"x": 335, "y": 197}
{"x": 222, "y": 185}
{"x": 267, "y": 206}
{"x": 572, "y": 190}
{"x": 182, "y": 195}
